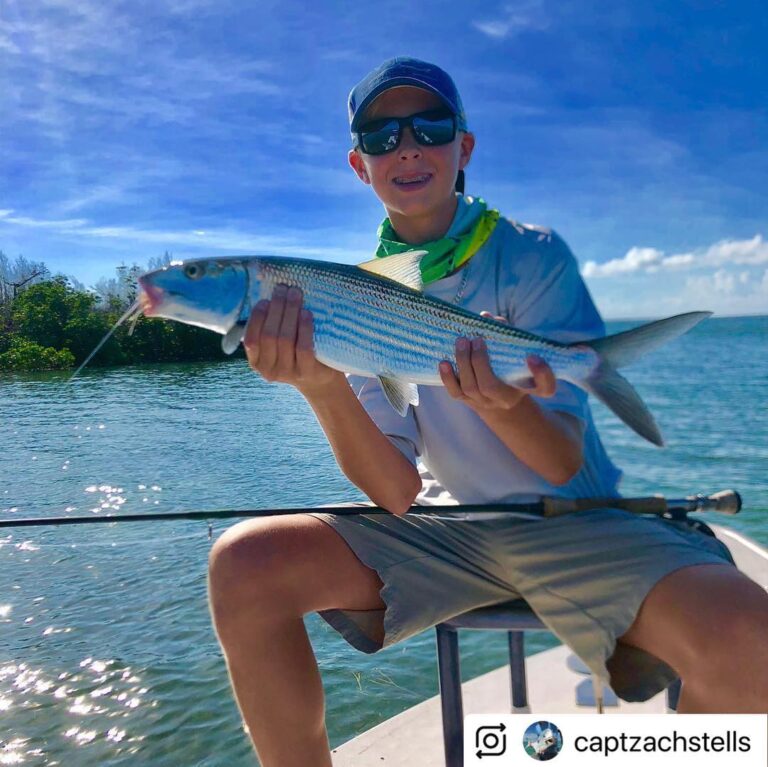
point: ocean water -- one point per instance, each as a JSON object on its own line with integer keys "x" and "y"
{"x": 107, "y": 655}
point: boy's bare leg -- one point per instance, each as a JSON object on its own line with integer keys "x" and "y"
{"x": 710, "y": 624}
{"x": 265, "y": 574}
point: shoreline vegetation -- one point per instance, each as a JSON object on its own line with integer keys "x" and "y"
{"x": 53, "y": 322}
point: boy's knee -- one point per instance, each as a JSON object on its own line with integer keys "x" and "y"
{"x": 240, "y": 587}
{"x": 255, "y": 567}
{"x": 238, "y": 562}
{"x": 224, "y": 554}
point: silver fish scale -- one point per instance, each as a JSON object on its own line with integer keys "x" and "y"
{"x": 373, "y": 326}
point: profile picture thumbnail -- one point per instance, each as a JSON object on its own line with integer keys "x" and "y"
{"x": 542, "y": 741}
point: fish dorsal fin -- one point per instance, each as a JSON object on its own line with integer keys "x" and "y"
{"x": 402, "y": 267}
{"x": 399, "y": 394}
{"x": 232, "y": 337}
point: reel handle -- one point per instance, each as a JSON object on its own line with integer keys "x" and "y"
{"x": 724, "y": 502}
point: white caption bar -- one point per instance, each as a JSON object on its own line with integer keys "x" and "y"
{"x": 615, "y": 740}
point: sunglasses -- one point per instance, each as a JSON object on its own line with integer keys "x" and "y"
{"x": 433, "y": 128}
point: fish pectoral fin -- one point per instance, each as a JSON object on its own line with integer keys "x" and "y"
{"x": 403, "y": 268}
{"x": 233, "y": 337}
{"x": 399, "y": 394}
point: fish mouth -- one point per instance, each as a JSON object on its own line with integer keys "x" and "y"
{"x": 150, "y": 297}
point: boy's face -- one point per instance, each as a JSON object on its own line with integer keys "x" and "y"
{"x": 413, "y": 180}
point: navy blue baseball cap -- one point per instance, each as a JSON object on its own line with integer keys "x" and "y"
{"x": 405, "y": 70}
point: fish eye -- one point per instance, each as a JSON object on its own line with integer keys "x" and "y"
{"x": 194, "y": 271}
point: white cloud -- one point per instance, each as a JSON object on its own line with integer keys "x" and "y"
{"x": 753, "y": 252}
{"x": 726, "y": 277}
{"x": 514, "y": 19}
{"x": 97, "y": 194}
{"x": 61, "y": 225}
{"x": 726, "y": 252}
{"x": 499, "y": 29}
{"x": 635, "y": 260}
{"x": 721, "y": 282}
{"x": 680, "y": 260}
{"x": 7, "y": 44}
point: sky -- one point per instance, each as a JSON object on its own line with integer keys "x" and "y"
{"x": 636, "y": 130}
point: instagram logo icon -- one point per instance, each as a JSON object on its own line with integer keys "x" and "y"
{"x": 490, "y": 740}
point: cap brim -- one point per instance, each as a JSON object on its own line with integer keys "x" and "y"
{"x": 395, "y": 82}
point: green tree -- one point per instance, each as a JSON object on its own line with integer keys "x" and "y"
{"x": 156, "y": 340}
{"x": 24, "y": 356}
{"x": 53, "y": 314}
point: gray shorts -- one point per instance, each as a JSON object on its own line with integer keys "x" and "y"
{"x": 585, "y": 575}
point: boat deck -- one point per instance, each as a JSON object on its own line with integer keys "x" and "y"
{"x": 415, "y": 737}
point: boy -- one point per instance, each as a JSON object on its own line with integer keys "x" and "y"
{"x": 609, "y": 584}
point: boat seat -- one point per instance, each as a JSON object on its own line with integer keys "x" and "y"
{"x": 515, "y": 617}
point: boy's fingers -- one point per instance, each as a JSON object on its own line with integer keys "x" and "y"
{"x": 271, "y": 329}
{"x": 490, "y": 387}
{"x": 466, "y": 374}
{"x": 252, "y": 335}
{"x": 293, "y": 299}
{"x": 286, "y": 339}
{"x": 305, "y": 346}
{"x": 544, "y": 379}
{"x": 451, "y": 383}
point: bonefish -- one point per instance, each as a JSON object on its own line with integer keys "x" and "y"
{"x": 374, "y": 320}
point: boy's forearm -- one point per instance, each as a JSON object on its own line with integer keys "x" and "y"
{"x": 364, "y": 454}
{"x": 549, "y": 443}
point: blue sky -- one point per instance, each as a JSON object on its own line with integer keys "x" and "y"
{"x": 635, "y": 129}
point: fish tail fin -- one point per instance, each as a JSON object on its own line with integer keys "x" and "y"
{"x": 618, "y": 394}
{"x": 621, "y": 349}
{"x": 624, "y": 348}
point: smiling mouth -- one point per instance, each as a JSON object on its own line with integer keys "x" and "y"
{"x": 422, "y": 178}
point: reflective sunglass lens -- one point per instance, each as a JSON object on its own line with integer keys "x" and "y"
{"x": 434, "y": 132}
{"x": 382, "y": 139}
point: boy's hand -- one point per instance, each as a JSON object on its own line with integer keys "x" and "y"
{"x": 478, "y": 387}
{"x": 279, "y": 345}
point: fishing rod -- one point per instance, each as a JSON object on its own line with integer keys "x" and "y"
{"x": 724, "y": 502}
